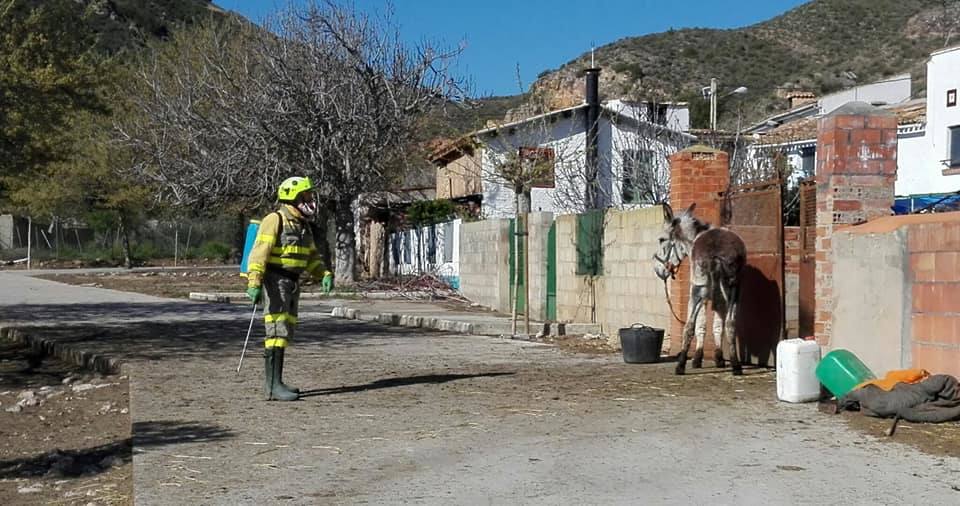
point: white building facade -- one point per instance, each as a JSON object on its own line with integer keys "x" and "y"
{"x": 928, "y": 133}
{"x": 632, "y": 157}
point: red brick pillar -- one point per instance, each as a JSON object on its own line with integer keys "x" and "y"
{"x": 697, "y": 174}
{"x": 856, "y": 170}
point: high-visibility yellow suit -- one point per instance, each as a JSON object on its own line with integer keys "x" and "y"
{"x": 283, "y": 250}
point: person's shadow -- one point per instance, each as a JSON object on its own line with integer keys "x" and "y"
{"x": 398, "y": 382}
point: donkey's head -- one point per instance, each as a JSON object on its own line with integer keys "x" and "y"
{"x": 676, "y": 240}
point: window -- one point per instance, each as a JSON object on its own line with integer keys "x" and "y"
{"x": 539, "y": 164}
{"x": 951, "y": 98}
{"x": 657, "y": 113}
{"x": 637, "y": 175}
{"x": 954, "y": 146}
{"x": 807, "y": 157}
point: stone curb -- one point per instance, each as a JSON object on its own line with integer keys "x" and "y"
{"x": 228, "y": 297}
{"x": 433, "y": 323}
{"x": 70, "y": 354}
{"x": 404, "y": 320}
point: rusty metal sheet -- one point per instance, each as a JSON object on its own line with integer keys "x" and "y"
{"x": 808, "y": 254}
{"x": 754, "y": 212}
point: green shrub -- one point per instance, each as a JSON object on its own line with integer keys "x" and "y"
{"x": 214, "y": 250}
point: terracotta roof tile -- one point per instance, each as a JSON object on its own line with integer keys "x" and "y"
{"x": 910, "y": 112}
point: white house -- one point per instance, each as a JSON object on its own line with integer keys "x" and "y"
{"x": 928, "y": 132}
{"x": 628, "y": 155}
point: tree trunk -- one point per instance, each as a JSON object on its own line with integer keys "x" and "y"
{"x": 346, "y": 256}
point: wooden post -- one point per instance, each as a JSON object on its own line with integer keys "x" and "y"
{"x": 176, "y": 243}
{"x": 29, "y": 241}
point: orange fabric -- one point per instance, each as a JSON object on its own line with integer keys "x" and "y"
{"x": 899, "y": 376}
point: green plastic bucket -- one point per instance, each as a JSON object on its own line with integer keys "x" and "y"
{"x": 840, "y": 370}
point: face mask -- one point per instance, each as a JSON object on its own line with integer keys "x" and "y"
{"x": 307, "y": 208}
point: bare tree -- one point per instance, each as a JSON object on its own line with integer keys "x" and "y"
{"x": 200, "y": 122}
{"x": 326, "y": 91}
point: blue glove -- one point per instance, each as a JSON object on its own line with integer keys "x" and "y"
{"x": 254, "y": 293}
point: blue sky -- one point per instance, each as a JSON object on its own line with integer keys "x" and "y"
{"x": 538, "y": 34}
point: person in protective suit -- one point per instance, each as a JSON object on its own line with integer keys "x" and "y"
{"x": 284, "y": 249}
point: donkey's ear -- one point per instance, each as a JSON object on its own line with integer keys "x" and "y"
{"x": 690, "y": 209}
{"x": 667, "y": 213}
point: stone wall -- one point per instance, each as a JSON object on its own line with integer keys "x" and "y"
{"x": 484, "y": 263}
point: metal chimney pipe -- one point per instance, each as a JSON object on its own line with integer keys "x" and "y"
{"x": 592, "y": 97}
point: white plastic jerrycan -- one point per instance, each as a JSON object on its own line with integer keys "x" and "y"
{"x": 797, "y": 361}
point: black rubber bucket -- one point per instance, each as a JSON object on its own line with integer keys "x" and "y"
{"x": 641, "y": 344}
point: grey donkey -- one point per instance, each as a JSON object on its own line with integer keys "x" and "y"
{"x": 717, "y": 256}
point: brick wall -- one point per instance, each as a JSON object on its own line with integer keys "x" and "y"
{"x": 897, "y": 290}
{"x": 935, "y": 295}
{"x": 791, "y": 251}
{"x": 697, "y": 174}
{"x": 856, "y": 170}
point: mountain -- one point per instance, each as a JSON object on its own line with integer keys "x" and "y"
{"x": 128, "y": 24}
{"x": 821, "y": 46}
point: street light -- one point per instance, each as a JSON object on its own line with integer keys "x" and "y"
{"x": 712, "y": 92}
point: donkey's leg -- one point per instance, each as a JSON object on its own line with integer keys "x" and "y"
{"x": 701, "y": 333}
{"x": 719, "y": 324}
{"x": 696, "y": 304}
{"x": 730, "y": 331}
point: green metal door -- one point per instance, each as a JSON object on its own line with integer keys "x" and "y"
{"x": 552, "y": 272}
{"x": 520, "y": 291}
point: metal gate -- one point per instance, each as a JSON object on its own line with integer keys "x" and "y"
{"x": 808, "y": 257}
{"x": 754, "y": 212}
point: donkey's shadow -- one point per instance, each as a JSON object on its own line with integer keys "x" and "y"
{"x": 759, "y": 318}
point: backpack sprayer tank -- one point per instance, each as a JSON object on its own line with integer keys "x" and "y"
{"x": 252, "y": 228}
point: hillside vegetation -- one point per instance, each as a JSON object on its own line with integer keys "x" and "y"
{"x": 821, "y": 46}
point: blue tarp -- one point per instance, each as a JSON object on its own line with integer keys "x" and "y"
{"x": 941, "y": 203}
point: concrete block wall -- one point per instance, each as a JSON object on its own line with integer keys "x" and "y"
{"x": 628, "y": 292}
{"x": 484, "y": 263}
{"x": 539, "y": 230}
{"x": 855, "y": 174}
{"x": 576, "y": 295}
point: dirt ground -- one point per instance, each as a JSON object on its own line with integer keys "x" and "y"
{"x": 939, "y": 440}
{"x": 64, "y": 433}
{"x": 175, "y": 285}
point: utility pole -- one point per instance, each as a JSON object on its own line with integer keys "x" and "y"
{"x": 713, "y": 103}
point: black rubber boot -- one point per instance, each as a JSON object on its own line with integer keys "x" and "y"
{"x": 280, "y": 358}
{"x": 271, "y": 365}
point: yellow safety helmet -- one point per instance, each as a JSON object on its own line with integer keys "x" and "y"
{"x": 291, "y": 187}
